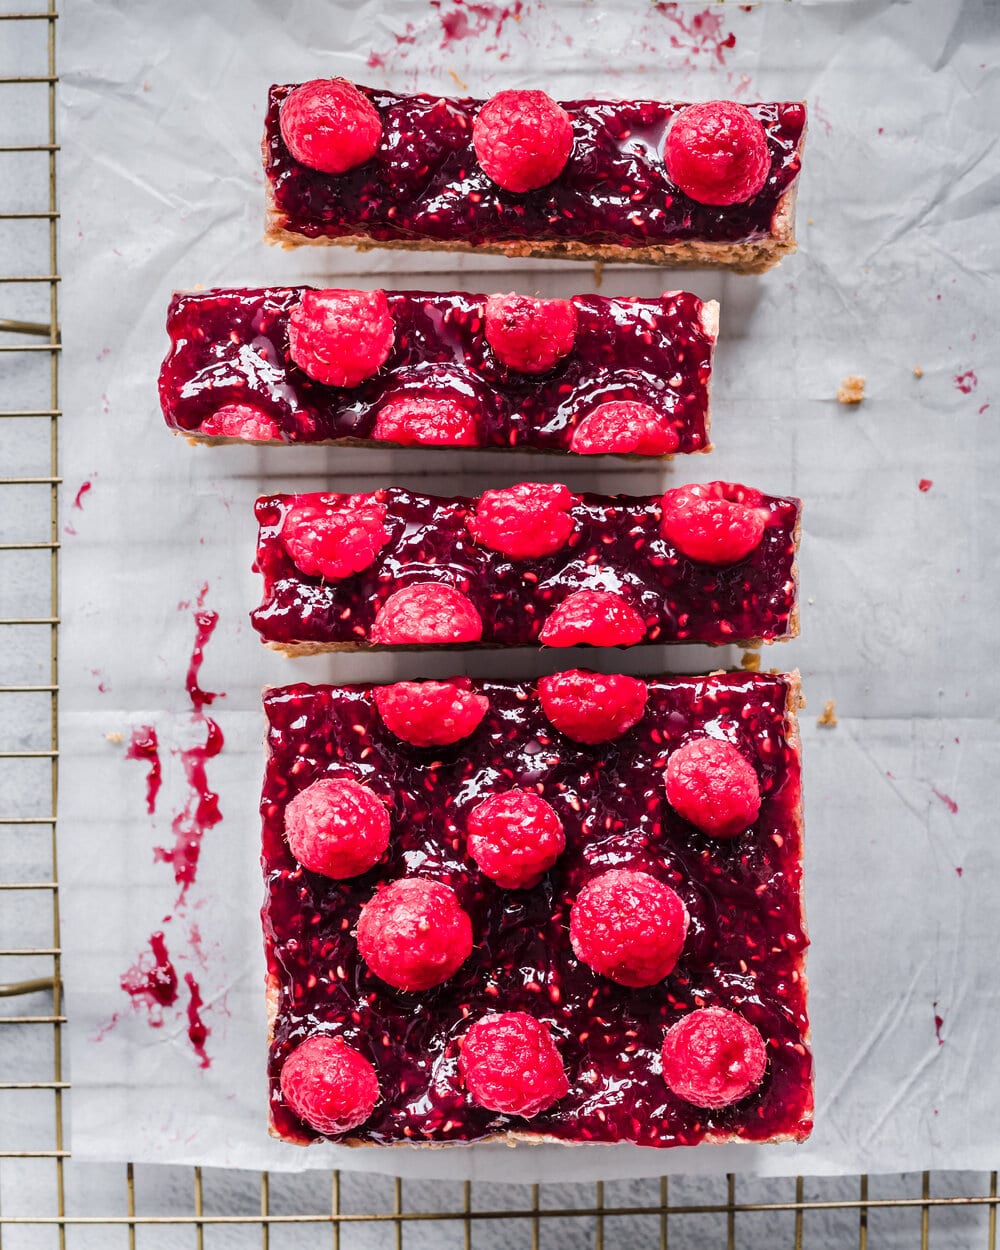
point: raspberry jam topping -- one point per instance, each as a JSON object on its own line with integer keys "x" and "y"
{"x": 525, "y": 522}
{"x": 510, "y": 1063}
{"x": 431, "y": 713}
{"x": 430, "y": 181}
{"x": 528, "y": 334}
{"x": 628, "y": 926}
{"x": 328, "y": 1085}
{"x": 713, "y": 786}
{"x": 328, "y": 125}
{"x": 715, "y": 522}
{"x": 593, "y": 618}
{"x": 242, "y": 421}
{"x": 522, "y": 139}
{"x": 414, "y": 934}
{"x": 337, "y": 539}
{"x": 433, "y": 420}
{"x": 426, "y": 614}
{"x": 743, "y": 950}
{"x": 583, "y": 541}
{"x": 232, "y": 347}
{"x": 717, "y": 153}
{"x": 337, "y": 827}
{"x": 515, "y": 838}
{"x": 340, "y": 338}
{"x": 592, "y": 707}
{"x": 624, "y": 428}
{"x": 713, "y": 1057}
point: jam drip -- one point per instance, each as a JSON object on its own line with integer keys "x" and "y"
{"x": 144, "y": 745}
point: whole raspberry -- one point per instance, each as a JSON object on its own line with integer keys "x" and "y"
{"x": 717, "y": 153}
{"x": 329, "y": 125}
{"x": 433, "y": 421}
{"x": 515, "y": 838}
{"x": 713, "y": 786}
{"x": 431, "y": 713}
{"x": 715, "y": 522}
{"x": 528, "y": 334}
{"x": 522, "y": 139}
{"x": 713, "y": 1057}
{"x": 413, "y": 934}
{"x": 329, "y": 1085}
{"x": 628, "y": 926}
{"x": 510, "y": 1063}
{"x": 241, "y": 421}
{"x": 524, "y": 521}
{"x": 596, "y": 618}
{"x": 624, "y": 427}
{"x": 592, "y": 707}
{"x": 335, "y": 541}
{"x": 340, "y": 338}
{"x": 427, "y": 614}
{"x": 337, "y": 827}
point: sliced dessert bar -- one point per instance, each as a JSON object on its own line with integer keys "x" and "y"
{"x": 663, "y": 183}
{"x": 298, "y": 365}
{"x": 567, "y": 911}
{"x": 530, "y": 564}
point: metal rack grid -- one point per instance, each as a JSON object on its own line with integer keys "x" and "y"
{"x": 47, "y": 1200}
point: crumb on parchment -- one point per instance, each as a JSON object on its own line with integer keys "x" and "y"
{"x": 598, "y": 273}
{"x": 829, "y": 718}
{"x": 115, "y": 738}
{"x": 462, "y": 86}
{"x": 917, "y": 371}
{"x": 750, "y": 661}
{"x": 852, "y": 389}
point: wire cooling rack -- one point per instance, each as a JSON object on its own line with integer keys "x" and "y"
{"x": 45, "y": 1199}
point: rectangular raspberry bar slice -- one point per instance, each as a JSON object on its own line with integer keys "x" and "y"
{"x": 531, "y": 564}
{"x": 421, "y": 181}
{"x": 296, "y": 365}
{"x": 710, "y": 931}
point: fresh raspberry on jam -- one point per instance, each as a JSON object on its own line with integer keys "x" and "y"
{"x": 522, "y": 139}
{"x": 524, "y": 521}
{"x": 340, "y": 338}
{"x": 335, "y": 541}
{"x": 713, "y": 1057}
{"x": 515, "y": 838}
{"x": 592, "y": 707}
{"x": 329, "y": 1085}
{"x": 715, "y": 522}
{"x": 529, "y": 334}
{"x": 596, "y": 618}
{"x": 713, "y": 786}
{"x": 431, "y": 713}
{"x": 433, "y": 421}
{"x": 337, "y": 827}
{"x": 624, "y": 427}
{"x": 413, "y": 934}
{"x": 241, "y": 421}
{"x": 426, "y": 614}
{"x": 510, "y": 1063}
{"x": 329, "y": 125}
{"x": 629, "y": 927}
{"x": 717, "y": 153}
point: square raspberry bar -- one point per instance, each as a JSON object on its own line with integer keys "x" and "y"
{"x": 421, "y": 368}
{"x": 657, "y": 182}
{"x": 562, "y": 911}
{"x": 530, "y": 564}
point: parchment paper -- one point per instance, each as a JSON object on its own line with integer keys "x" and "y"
{"x": 161, "y": 113}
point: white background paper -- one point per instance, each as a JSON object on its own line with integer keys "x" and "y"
{"x": 162, "y": 110}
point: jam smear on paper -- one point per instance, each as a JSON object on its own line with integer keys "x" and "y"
{"x": 197, "y": 1030}
{"x": 152, "y": 980}
{"x": 144, "y": 745}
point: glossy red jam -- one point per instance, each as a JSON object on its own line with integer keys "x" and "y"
{"x": 425, "y": 181}
{"x": 616, "y": 546}
{"x": 743, "y": 950}
{"x": 231, "y": 347}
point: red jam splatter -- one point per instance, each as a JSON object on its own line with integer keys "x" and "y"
{"x": 925, "y": 484}
{"x": 966, "y": 382}
{"x": 206, "y": 623}
{"x": 467, "y": 20}
{"x": 144, "y": 745}
{"x": 702, "y": 32}
{"x": 938, "y": 1024}
{"x": 152, "y": 980}
{"x": 949, "y": 802}
{"x": 958, "y": 869}
{"x": 78, "y": 501}
{"x": 197, "y": 1030}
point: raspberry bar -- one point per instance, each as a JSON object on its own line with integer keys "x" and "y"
{"x": 662, "y": 183}
{"x": 562, "y": 911}
{"x": 403, "y": 368}
{"x": 530, "y": 564}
